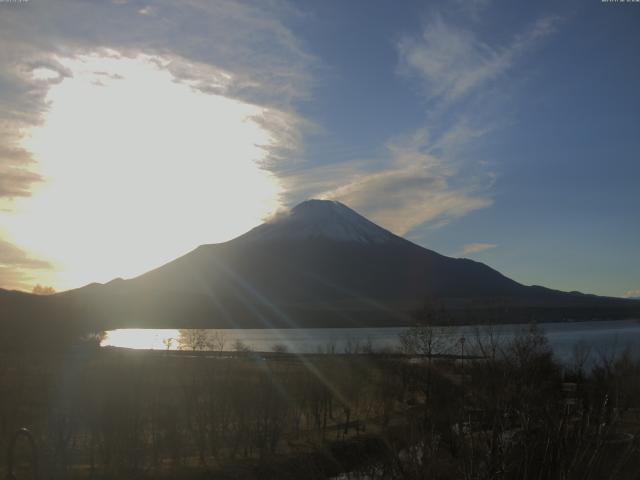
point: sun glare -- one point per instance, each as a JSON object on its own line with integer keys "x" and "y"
{"x": 143, "y": 338}
{"x": 139, "y": 168}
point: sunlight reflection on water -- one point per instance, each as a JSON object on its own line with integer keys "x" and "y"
{"x": 142, "y": 338}
{"x": 605, "y": 337}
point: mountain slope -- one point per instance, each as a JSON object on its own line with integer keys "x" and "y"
{"x": 321, "y": 264}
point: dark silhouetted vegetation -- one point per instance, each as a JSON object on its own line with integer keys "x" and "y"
{"x": 506, "y": 411}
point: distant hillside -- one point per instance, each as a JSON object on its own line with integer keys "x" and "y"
{"x": 320, "y": 265}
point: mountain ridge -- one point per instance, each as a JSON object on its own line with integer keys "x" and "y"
{"x": 320, "y": 265}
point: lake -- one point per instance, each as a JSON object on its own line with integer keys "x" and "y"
{"x": 604, "y": 337}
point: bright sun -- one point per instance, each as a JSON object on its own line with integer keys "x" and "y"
{"x": 139, "y": 168}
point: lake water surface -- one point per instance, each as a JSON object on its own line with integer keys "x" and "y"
{"x": 604, "y": 338}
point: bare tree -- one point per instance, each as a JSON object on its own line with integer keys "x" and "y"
{"x": 194, "y": 339}
{"x": 425, "y": 339}
{"x": 218, "y": 340}
{"x": 241, "y": 347}
{"x": 581, "y": 352}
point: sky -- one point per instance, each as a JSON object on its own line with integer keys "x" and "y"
{"x": 507, "y": 132}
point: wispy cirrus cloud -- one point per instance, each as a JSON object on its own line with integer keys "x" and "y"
{"x": 451, "y": 61}
{"x": 426, "y": 179}
{"x": 17, "y": 268}
{"x": 429, "y": 176}
{"x": 12, "y": 255}
{"x": 472, "y": 248}
{"x": 412, "y": 187}
{"x": 15, "y": 180}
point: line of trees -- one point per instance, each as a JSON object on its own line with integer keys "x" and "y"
{"x": 515, "y": 414}
{"x": 512, "y": 412}
{"x": 117, "y": 413}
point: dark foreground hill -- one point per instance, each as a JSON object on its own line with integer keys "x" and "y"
{"x": 320, "y": 265}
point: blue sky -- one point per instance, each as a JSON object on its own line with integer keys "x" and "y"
{"x": 506, "y": 132}
{"x": 562, "y": 120}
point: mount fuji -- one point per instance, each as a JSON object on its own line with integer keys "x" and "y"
{"x": 321, "y": 219}
{"x": 319, "y": 265}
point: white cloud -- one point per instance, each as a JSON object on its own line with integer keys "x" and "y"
{"x": 245, "y": 41}
{"x": 452, "y": 62}
{"x": 224, "y": 100}
{"x": 409, "y": 188}
{"x": 125, "y": 144}
{"x": 472, "y": 248}
{"x": 632, "y": 294}
{"x": 427, "y": 178}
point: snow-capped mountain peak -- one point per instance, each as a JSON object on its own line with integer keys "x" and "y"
{"x": 322, "y": 219}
